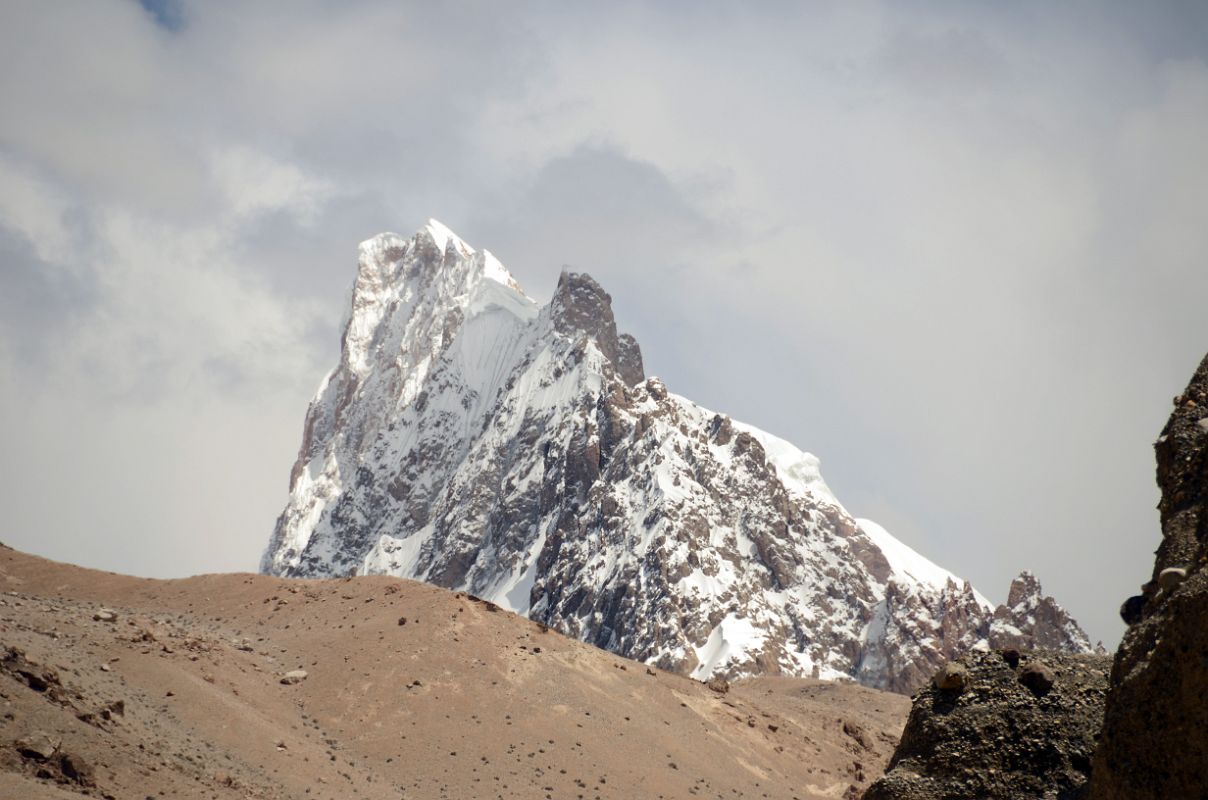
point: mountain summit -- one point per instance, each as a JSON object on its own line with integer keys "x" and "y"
{"x": 475, "y": 440}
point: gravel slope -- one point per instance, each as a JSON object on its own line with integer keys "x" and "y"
{"x": 462, "y": 700}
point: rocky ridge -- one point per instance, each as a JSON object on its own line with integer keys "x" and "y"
{"x": 478, "y": 441}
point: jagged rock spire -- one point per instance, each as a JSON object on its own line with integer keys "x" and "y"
{"x": 581, "y": 307}
{"x": 1031, "y": 619}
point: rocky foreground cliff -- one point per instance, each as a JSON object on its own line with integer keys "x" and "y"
{"x": 474, "y": 439}
{"x": 1155, "y": 731}
{"x": 1001, "y": 725}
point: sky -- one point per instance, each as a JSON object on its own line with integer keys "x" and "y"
{"x": 956, "y": 250}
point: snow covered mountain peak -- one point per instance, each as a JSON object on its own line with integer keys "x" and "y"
{"x": 473, "y": 439}
{"x": 442, "y": 237}
{"x": 384, "y": 259}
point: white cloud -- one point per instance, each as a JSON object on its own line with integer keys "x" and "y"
{"x": 34, "y": 209}
{"x": 253, "y": 183}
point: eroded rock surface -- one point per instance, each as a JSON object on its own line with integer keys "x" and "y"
{"x": 1155, "y": 731}
{"x": 1002, "y": 732}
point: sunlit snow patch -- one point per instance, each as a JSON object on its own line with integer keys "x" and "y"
{"x": 910, "y": 567}
{"x": 732, "y": 638}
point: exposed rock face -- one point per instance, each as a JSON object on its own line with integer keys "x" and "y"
{"x": 1155, "y": 731}
{"x": 475, "y": 440}
{"x": 39, "y": 746}
{"x": 1002, "y": 732}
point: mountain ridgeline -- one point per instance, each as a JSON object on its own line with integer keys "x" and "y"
{"x": 475, "y": 440}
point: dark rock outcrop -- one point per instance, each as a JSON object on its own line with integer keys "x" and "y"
{"x": 1155, "y": 730}
{"x": 44, "y": 756}
{"x": 40, "y": 678}
{"x": 1003, "y": 732}
{"x": 581, "y": 307}
{"x": 629, "y": 360}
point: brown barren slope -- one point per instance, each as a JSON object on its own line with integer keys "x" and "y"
{"x": 461, "y": 701}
